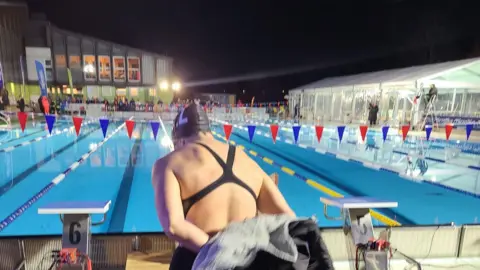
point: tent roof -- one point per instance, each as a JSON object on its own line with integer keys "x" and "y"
{"x": 461, "y": 72}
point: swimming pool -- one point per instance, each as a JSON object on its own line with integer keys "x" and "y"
{"x": 419, "y": 202}
{"x": 453, "y": 163}
{"x": 120, "y": 170}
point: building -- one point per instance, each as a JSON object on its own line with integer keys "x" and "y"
{"x": 98, "y": 68}
{"x": 13, "y": 20}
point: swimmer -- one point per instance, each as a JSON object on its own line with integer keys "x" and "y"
{"x": 204, "y": 185}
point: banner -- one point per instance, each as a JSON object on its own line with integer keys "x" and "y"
{"x": 118, "y": 68}
{"x": 89, "y": 70}
{"x": 1, "y": 76}
{"x": 42, "y": 80}
{"x": 457, "y": 121}
{"x": 104, "y": 68}
{"x": 70, "y": 83}
{"x": 133, "y": 69}
{"x": 23, "y": 75}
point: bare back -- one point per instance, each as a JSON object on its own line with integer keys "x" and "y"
{"x": 196, "y": 168}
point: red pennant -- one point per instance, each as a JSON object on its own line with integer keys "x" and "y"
{"x": 448, "y": 130}
{"x": 227, "y": 129}
{"x": 363, "y": 131}
{"x": 405, "y": 130}
{"x": 22, "y": 118}
{"x": 130, "y": 125}
{"x": 77, "y": 122}
{"x": 274, "y": 131}
{"x": 319, "y": 132}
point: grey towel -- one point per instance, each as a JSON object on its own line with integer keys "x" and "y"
{"x": 239, "y": 243}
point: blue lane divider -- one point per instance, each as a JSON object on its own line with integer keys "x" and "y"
{"x": 25, "y": 206}
{"x": 13, "y": 147}
{"x": 366, "y": 163}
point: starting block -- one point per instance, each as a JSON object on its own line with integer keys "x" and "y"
{"x": 76, "y": 220}
{"x": 357, "y": 222}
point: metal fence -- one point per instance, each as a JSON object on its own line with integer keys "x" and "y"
{"x": 110, "y": 252}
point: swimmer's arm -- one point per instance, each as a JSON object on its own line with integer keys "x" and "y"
{"x": 271, "y": 200}
{"x": 170, "y": 210}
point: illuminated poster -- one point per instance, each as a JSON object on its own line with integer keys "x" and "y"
{"x": 104, "y": 68}
{"x": 133, "y": 69}
{"x": 60, "y": 61}
{"x": 89, "y": 70}
{"x": 118, "y": 68}
{"x": 74, "y": 61}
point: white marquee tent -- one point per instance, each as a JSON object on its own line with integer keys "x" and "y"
{"x": 332, "y": 99}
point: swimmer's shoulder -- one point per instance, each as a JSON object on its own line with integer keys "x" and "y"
{"x": 163, "y": 163}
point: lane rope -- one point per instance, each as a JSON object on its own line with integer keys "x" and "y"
{"x": 54, "y": 133}
{"x": 55, "y": 181}
{"x": 378, "y": 216}
{"x": 369, "y": 164}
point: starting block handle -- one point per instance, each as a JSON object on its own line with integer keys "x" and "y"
{"x": 325, "y": 213}
{"x": 92, "y": 223}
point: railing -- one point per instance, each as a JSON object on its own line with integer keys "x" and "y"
{"x": 4, "y": 118}
{"x": 430, "y": 245}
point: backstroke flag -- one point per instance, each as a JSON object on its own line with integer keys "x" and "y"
{"x": 42, "y": 80}
{"x": 274, "y": 132}
{"x": 385, "y": 132}
{"x": 77, "y": 123}
{"x": 296, "y": 133}
{"x": 340, "y": 130}
{"x": 468, "y": 129}
{"x": 104, "y": 126}
{"x": 428, "y": 131}
{"x": 22, "y": 118}
{"x": 50, "y": 119}
{"x": 251, "y": 132}
{"x": 130, "y": 124}
{"x": 155, "y": 126}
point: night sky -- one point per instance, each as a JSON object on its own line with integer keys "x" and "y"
{"x": 317, "y": 39}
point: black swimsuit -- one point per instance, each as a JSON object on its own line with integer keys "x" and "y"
{"x": 226, "y": 177}
{"x": 182, "y": 257}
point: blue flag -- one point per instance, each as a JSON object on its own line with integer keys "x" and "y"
{"x": 469, "y": 128}
{"x": 155, "y": 126}
{"x": 340, "y": 130}
{"x": 385, "y": 132}
{"x": 42, "y": 80}
{"x": 50, "y": 119}
{"x": 428, "y": 131}
{"x": 1, "y": 76}
{"x": 251, "y": 131}
{"x": 104, "y": 125}
{"x": 296, "y": 132}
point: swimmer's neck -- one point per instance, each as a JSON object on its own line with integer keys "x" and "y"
{"x": 200, "y": 137}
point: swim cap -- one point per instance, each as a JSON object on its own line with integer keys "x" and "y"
{"x": 190, "y": 121}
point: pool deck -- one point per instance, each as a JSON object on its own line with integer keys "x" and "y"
{"x": 160, "y": 261}
{"x": 147, "y": 261}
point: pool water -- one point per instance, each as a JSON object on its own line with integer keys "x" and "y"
{"x": 120, "y": 170}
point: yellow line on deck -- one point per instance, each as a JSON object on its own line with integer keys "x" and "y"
{"x": 380, "y": 217}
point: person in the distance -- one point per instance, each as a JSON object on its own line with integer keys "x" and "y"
{"x": 204, "y": 185}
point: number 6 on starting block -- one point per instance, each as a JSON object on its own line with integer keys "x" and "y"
{"x": 76, "y": 220}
